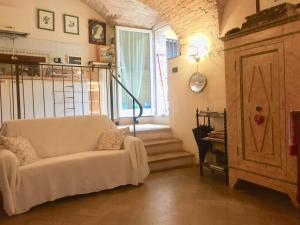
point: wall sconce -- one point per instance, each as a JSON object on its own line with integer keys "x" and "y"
{"x": 198, "y": 47}
{"x": 194, "y": 53}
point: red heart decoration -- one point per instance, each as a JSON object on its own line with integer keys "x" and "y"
{"x": 259, "y": 119}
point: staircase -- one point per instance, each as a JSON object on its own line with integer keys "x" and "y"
{"x": 164, "y": 151}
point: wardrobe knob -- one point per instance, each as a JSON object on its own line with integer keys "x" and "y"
{"x": 258, "y": 108}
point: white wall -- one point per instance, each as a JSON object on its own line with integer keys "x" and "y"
{"x": 234, "y": 14}
{"x": 22, "y": 15}
{"x": 183, "y": 102}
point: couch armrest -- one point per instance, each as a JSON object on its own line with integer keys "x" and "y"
{"x": 138, "y": 156}
{"x": 136, "y": 149}
{"x": 8, "y": 158}
{"x": 129, "y": 140}
{"x": 9, "y": 177}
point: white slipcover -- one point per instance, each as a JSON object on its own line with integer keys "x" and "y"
{"x": 68, "y": 165}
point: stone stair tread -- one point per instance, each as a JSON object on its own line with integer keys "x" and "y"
{"x": 161, "y": 141}
{"x": 146, "y": 127}
{"x": 169, "y": 155}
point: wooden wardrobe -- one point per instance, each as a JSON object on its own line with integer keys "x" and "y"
{"x": 262, "y": 90}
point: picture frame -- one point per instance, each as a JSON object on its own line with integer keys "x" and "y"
{"x": 74, "y": 60}
{"x": 97, "y": 32}
{"x": 264, "y": 4}
{"x": 71, "y": 24}
{"x": 46, "y": 19}
{"x": 105, "y": 54}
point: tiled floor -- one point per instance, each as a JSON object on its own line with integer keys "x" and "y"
{"x": 175, "y": 197}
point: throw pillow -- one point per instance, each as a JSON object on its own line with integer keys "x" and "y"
{"x": 112, "y": 139}
{"x": 21, "y": 147}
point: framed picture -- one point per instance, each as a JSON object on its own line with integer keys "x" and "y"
{"x": 97, "y": 32}
{"x": 105, "y": 54}
{"x": 264, "y": 4}
{"x": 45, "y": 19}
{"x": 74, "y": 60}
{"x": 71, "y": 24}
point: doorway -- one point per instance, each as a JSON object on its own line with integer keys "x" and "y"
{"x": 135, "y": 68}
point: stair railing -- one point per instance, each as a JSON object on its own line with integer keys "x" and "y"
{"x": 134, "y": 99}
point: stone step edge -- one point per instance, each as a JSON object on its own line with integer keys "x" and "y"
{"x": 169, "y": 156}
{"x": 149, "y": 131}
{"x": 163, "y": 141}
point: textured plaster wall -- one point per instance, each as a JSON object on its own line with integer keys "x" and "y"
{"x": 23, "y": 16}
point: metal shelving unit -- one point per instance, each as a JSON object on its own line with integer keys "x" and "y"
{"x": 206, "y": 143}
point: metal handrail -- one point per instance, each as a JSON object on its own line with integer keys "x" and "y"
{"x": 134, "y": 99}
{"x": 20, "y": 108}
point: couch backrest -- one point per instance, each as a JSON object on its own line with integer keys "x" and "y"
{"x": 60, "y": 136}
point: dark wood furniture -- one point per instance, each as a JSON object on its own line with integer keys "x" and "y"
{"x": 207, "y": 138}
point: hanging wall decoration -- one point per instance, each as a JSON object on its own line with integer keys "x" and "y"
{"x": 97, "y": 32}
{"x": 71, "y": 24}
{"x": 46, "y": 19}
{"x": 197, "y": 82}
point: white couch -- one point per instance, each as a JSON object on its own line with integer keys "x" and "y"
{"x": 68, "y": 164}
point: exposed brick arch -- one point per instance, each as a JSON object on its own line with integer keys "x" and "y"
{"x": 131, "y": 13}
{"x": 186, "y": 17}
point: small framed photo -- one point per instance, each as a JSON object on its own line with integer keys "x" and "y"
{"x": 71, "y": 24}
{"x": 97, "y": 32}
{"x": 74, "y": 60}
{"x": 45, "y": 19}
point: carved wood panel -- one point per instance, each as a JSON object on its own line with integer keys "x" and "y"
{"x": 262, "y": 117}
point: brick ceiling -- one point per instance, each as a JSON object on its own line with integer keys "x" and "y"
{"x": 186, "y": 17}
{"x": 131, "y": 13}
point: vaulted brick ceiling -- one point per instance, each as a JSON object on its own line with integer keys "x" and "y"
{"x": 186, "y": 17}
{"x": 125, "y": 12}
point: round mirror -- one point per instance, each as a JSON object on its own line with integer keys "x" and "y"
{"x": 197, "y": 82}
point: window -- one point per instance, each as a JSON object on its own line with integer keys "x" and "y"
{"x": 172, "y": 48}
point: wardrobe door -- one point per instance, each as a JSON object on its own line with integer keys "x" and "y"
{"x": 262, "y": 110}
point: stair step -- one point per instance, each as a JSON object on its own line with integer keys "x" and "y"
{"x": 154, "y": 134}
{"x": 164, "y": 151}
{"x": 150, "y": 131}
{"x": 166, "y": 156}
{"x": 158, "y": 146}
{"x": 170, "y": 160}
{"x": 145, "y": 127}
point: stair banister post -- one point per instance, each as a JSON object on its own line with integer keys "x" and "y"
{"x": 134, "y": 119}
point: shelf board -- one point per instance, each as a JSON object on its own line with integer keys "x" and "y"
{"x": 10, "y": 33}
{"x": 211, "y": 114}
{"x": 216, "y": 140}
{"x": 214, "y": 166}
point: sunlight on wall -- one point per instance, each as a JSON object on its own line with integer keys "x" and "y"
{"x": 198, "y": 48}
{"x": 170, "y": 34}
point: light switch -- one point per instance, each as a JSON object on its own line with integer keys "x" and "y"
{"x": 174, "y": 69}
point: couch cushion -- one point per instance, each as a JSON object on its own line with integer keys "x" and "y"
{"x": 21, "y": 147}
{"x": 60, "y": 136}
{"x": 112, "y": 139}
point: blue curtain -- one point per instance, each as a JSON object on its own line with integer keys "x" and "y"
{"x": 134, "y": 62}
